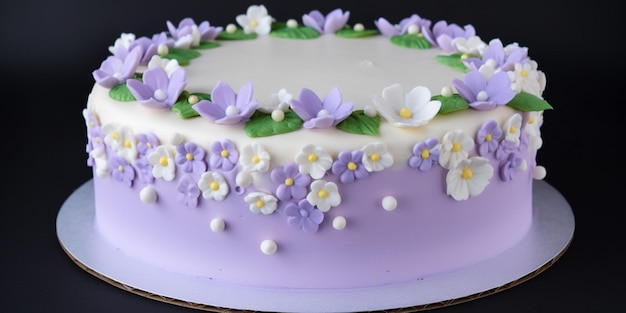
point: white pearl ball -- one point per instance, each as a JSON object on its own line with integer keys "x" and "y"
{"x": 217, "y": 225}
{"x": 539, "y": 172}
{"x": 148, "y": 195}
{"x": 390, "y": 203}
{"x": 269, "y": 246}
{"x": 339, "y": 223}
{"x": 278, "y": 115}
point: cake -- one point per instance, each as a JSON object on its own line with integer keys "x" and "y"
{"x": 314, "y": 153}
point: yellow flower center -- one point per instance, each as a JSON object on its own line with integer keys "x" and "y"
{"x": 260, "y": 203}
{"x": 352, "y": 166}
{"x": 405, "y": 113}
{"x": 425, "y": 154}
{"x": 127, "y": 143}
{"x": 464, "y": 56}
{"x": 512, "y": 129}
{"x": 225, "y": 153}
{"x": 523, "y": 73}
{"x": 120, "y": 168}
{"x": 322, "y": 194}
{"x": 149, "y": 145}
{"x": 214, "y": 186}
{"x": 312, "y": 157}
{"x": 456, "y": 146}
{"x": 92, "y": 124}
{"x": 115, "y": 135}
{"x": 488, "y": 137}
{"x": 467, "y": 173}
{"x": 189, "y": 156}
{"x": 163, "y": 161}
{"x": 375, "y": 157}
{"x": 256, "y": 159}
{"x": 254, "y": 23}
{"x": 531, "y": 120}
{"x": 289, "y": 181}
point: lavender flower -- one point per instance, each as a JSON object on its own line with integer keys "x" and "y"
{"x": 482, "y": 93}
{"x": 223, "y": 155}
{"x": 496, "y": 55}
{"x": 146, "y": 143}
{"x": 157, "y": 89}
{"x": 114, "y": 71}
{"x": 334, "y": 21}
{"x": 505, "y": 148}
{"x": 188, "y": 33}
{"x": 227, "y": 107}
{"x": 291, "y": 184}
{"x": 190, "y": 157}
{"x": 425, "y": 154}
{"x": 321, "y": 114}
{"x": 188, "y": 191}
{"x": 509, "y": 166}
{"x": 150, "y": 46}
{"x": 145, "y": 169}
{"x": 442, "y": 35}
{"x": 389, "y": 30}
{"x": 304, "y": 216}
{"x": 122, "y": 171}
{"x": 488, "y": 137}
{"x": 349, "y": 166}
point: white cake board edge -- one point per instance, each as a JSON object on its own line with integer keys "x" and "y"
{"x": 551, "y": 233}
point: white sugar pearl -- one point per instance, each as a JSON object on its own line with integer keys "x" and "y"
{"x": 243, "y": 179}
{"x": 359, "y": 27}
{"x": 217, "y": 225}
{"x": 291, "y": 23}
{"x": 176, "y": 139}
{"x": 231, "y": 28}
{"x": 539, "y": 172}
{"x": 370, "y": 110}
{"x": 268, "y": 246}
{"x": 162, "y": 49}
{"x": 339, "y": 223}
{"x": 389, "y": 203}
{"x": 278, "y": 115}
{"x": 413, "y": 29}
{"x": 193, "y": 99}
{"x": 446, "y": 91}
{"x": 148, "y": 195}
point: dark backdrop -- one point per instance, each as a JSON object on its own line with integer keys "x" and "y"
{"x": 50, "y": 48}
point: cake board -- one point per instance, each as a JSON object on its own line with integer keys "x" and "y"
{"x": 549, "y": 237}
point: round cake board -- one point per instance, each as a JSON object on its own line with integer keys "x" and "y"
{"x": 551, "y": 233}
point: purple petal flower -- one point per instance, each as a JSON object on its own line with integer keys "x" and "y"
{"x": 291, "y": 183}
{"x": 223, "y": 155}
{"x": 145, "y": 169}
{"x": 227, "y": 107}
{"x": 505, "y": 148}
{"x": 321, "y": 114}
{"x": 508, "y": 167}
{"x": 184, "y": 28}
{"x": 483, "y": 94}
{"x": 496, "y": 54}
{"x": 190, "y": 157}
{"x": 114, "y": 71}
{"x": 122, "y": 171}
{"x": 388, "y": 30}
{"x": 188, "y": 191}
{"x": 157, "y": 89}
{"x": 349, "y": 166}
{"x": 146, "y": 143}
{"x": 150, "y": 46}
{"x": 208, "y": 32}
{"x": 334, "y": 21}
{"x": 304, "y": 216}
{"x": 488, "y": 137}
{"x": 425, "y": 155}
{"x": 442, "y": 34}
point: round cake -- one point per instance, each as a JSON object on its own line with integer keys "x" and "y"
{"x": 314, "y": 153}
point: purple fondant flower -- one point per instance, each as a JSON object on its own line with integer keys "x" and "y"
{"x": 227, "y": 107}
{"x": 145, "y": 169}
{"x": 150, "y": 46}
{"x": 388, "y": 30}
{"x": 349, "y": 166}
{"x": 114, "y": 71}
{"x": 321, "y": 114}
{"x": 223, "y": 155}
{"x": 188, "y": 191}
{"x": 498, "y": 57}
{"x": 488, "y": 137}
{"x": 442, "y": 35}
{"x": 188, "y": 33}
{"x": 291, "y": 184}
{"x": 425, "y": 154}
{"x": 190, "y": 157}
{"x": 505, "y": 148}
{"x": 482, "y": 93}
{"x": 334, "y": 21}
{"x": 157, "y": 90}
{"x": 509, "y": 166}
{"x": 146, "y": 143}
{"x": 122, "y": 171}
{"x": 304, "y": 216}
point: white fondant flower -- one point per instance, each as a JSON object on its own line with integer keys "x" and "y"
{"x": 123, "y": 42}
{"x": 313, "y": 160}
{"x": 278, "y": 101}
{"x": 324, "y": 195}
{"x": 163, "y": 164}
{"x": 455, "y": 147}
{"x": 406, "y": 110}
{"x": 168, "y": 65}
{"x": 256, "y": 20}
{"x": 376, "y": 157}
{"x": 261, "y": 202}
{"x": 525, "y": 77}
{"x": 512, "y": 127}
{"x": 472, "y": 45}
{"x": 122, "y": 140}
{"x": 532, "y": 129}
{"x": 213, "y": 186}
{"x": 468, "y": 178}
{"x": 254, "y": 158}
{"x": 101, "y": 162}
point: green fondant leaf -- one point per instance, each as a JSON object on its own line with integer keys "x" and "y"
{"x": 360, "y": 124}
{"x": 411, "y": 41}
{"x": 184, "y": 109}
{"x": 301, "y": 32}
{"x": 121, "y": 93}
{"x": 207, "y": 45}
{"x": 526, "y": 102}
{"x": 451, "y": 104}
{"x": 183, "y": 56}
{"x": 236, "y": 35}
{"x": 351, "y": 33}
{"x": 453, "y": 61}
{"x": 262, "y": 125}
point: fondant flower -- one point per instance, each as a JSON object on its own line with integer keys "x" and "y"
{"x": 496, "y": 54}
{"x": 313, "y": 160}
{"x": 324, "y": 195}
{"x": 376, "y": 157}
{"x": 304, "y": 216}
{"x": 261, "y": 202}
{"x": 213, "y": 186}
{"x": 188, "y": 192}
{"x": 158, "y": 90}
{"x": 505, "y": 148}
{"x": 254, "y": 158}
{"x": 512, "y": 128}
{"x": 321, "y": 114}
{"x": 256, "y": 20}
{"x": 163, "y": 165}
{"x": 122, "y": 140}
{"x": 482, "y": 93}
{"x": 122, "y": 45}
{"x": 122, "y": 171}
{"x": 454, "y": 148}
{"x": 349, "y": 166}
{"x": 278, "y": 101}
{"x": 223, "y": 155}
{"x": 169, "y": 66}
{"x": 189, "y": 34}
{"x": 406, "y": 110}
{"x": 334, "y": 21}
{"x": 114, "y": 71}
{"x": 389, "y": 30}
{"x": 146, "y": 143}
{"x": 291, "y": 183}
{"x": 532, "y": 129}
{"x": 488, "y": 137}
{"x": 190, "y": 157}
{"x": 145, "y": 169}
{"x": 100, "y": 162}
{"x": 227, "y": 107}
{"x": 468, "y": 178}
{"x": 525, "y": 77}
{"x": 425, "y": 154}
{"x": 471, "y": 46}
{"x": 442, "y": 35}
{"x": 150, "y": 46}
{"x": 510, "y": 166}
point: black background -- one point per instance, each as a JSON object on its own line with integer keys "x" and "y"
{"x": 50, "y": 48}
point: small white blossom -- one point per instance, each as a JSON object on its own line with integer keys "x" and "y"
{"x": 324, "y": 195}
{"x": 468, "y": 178}
{"x": 123, "y": 41}
{"x": 512, "y": 127}
{"x": 278, "y": 101}
{"x": 455, "y": 147}
{"x": 122, "y": 140}
{"x": 472, "y": 46}
{"x": 168, "y": 65}
{"x": 376, "y": 157}
{"x": 101, "y": 163}
{"x": 261, "y": 202}
{"x": 533, "y": 129}
{"x": 254, "y": 158}
{"x": 406, "y": 110}
{"x": 163, "y": 165}
{"x": 313, "y": 160}
{"x": 256, "y": 20}
{"x": 213, "y": 186}
{"x": 526, "y": 78}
